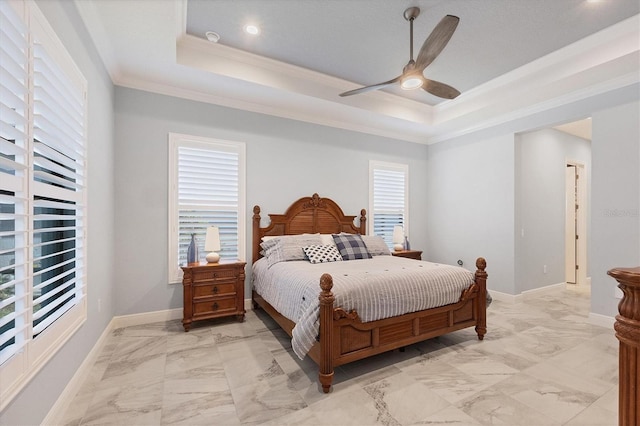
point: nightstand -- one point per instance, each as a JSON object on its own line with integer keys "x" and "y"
{"x": 213, "y": 290}
{"x": 410, "y": 254}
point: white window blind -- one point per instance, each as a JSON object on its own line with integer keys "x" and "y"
{"x": 388, "y": 199}
{"x": 208, "y": 190}
{"x": 42, "y": 195}
{"x": 14, "y": 63}
{"x": 58, "y": 187}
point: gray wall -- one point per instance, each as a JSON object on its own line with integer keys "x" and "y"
{"x": 541, "y": 158}
{"x": 470, "y": 197}
{"x": 474, "y": 203}
{"x": 36, "y": 399}
{"x": 615, "y": 223}
{"x": 286, "y": 160}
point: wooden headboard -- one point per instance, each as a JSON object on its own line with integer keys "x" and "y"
{"x": 307, "y": 215}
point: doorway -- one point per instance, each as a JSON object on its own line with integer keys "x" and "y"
{"x": 575, "y": 224}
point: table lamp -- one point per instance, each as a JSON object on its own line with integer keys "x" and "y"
{"x": 398, "y": 238}
{"x": 212, "y": 244}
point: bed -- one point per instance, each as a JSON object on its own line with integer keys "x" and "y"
{"x": 342, "y": 335}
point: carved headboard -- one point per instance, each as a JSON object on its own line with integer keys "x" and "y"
{"x": 307, "y": 215}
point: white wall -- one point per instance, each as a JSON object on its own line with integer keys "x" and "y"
{"x": 286, "y": 160}
{"x": 541, "y": 159}
{"x": 36, "y": 399}
{"x": 470, "y": 199}
{"x": 615, "y": 223}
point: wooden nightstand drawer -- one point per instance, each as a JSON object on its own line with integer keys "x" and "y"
{"x": 215, "y": 306}
{"x": 200, "y": 275}
{"x": 218, "y": 289}
{"x": 212, "y": 290}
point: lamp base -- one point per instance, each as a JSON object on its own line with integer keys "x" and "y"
{"x": 213, "y": 257}
{"x": 398, "y": 247}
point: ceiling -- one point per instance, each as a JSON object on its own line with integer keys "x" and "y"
{"x": 507, "y": 57}
{"x": 580, "y": 128}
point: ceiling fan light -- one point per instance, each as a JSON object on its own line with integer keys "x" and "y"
{"x": 411, "y": 83}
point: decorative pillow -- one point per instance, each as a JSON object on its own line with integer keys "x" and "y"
{"x": 376, "y": 245}
{"x": 322, "y": 254}
{"x": 327, "y": 240}
{"x": 351, "y": 246}
{"x": 267, "y": 243}
{"x": 288, "y": 247}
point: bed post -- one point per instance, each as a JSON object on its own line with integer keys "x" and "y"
{"x": 363, "y": 222}
{"x": 326, "y": 332}
{"x": 256, "y": 233}
{"x": 481, "y": 298}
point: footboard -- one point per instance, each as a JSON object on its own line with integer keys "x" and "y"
{"x": 344, "y": 338}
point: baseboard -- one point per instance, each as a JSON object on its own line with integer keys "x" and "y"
{"x": 549, "y": 289}
{"x": 505, "y": 297}
{"x": 528, "y": 294}
{"x": 247, "y": 305}
{"x": 147, "y": 318}
{"x": 56, "y": 413}
{"x": 601, "y": 320}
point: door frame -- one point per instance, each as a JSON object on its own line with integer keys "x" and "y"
{"x": 581, "y": 222}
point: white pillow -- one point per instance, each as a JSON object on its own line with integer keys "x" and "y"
{"x": 376, "y": 245}
{"x": 327, "y": 240}
{"x": 288, "y": 247}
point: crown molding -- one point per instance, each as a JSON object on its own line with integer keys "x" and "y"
{"x": 356, "y": 121}
{"x": 230, "y": 62}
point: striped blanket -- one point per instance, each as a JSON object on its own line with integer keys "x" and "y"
{"x": 377, "y": 288}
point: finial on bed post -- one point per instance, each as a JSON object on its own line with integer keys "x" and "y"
{"x": 326, "y": 332}
{"x": 256, "y": 232}
{"x": 481, "y": 281}
{"x": 363, "y": 222}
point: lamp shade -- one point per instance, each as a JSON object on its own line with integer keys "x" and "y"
{"x": 398, "y": 234}
{"x": 212, "y": 240}
{"x": 398, "y": 238}
{"x": 212, "y": 244}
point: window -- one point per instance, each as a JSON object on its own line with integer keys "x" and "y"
{"x": 388, "y": 199}
{"x": 206, "y": 188}
{"x": 42, "y": 195}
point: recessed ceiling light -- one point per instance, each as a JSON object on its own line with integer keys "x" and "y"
{"x": 252, "y": 29}
{"x": 212, "y": 36}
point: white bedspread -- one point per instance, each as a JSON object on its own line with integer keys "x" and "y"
{"x": 377, "y": 288}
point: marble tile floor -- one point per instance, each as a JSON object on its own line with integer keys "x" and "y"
{"x": 541, "y": 363}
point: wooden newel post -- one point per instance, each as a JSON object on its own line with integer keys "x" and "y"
{"x": 627, "y": 328}
{"x": 481, "y": 280}
{"x": 326, "y": 332}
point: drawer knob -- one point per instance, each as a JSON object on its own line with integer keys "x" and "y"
{"x": 215, "y": 275}
{"x": 215, "y": 289}
{"x": 215, "y": 306}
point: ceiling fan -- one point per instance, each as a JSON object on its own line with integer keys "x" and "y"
{"x": 412, "y": 76}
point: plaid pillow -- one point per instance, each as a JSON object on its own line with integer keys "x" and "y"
{"x": 351, "y": 246}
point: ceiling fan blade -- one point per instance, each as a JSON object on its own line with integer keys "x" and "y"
{"x": 372, "y": 87}
{"x": 440, "y": 90}
{"x": 436, "y": 41}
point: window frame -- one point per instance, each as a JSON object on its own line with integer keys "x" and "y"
{"x": 177, "y": 140}
{"x": 394, "y": 167}
{"x": 27, "y": 360}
